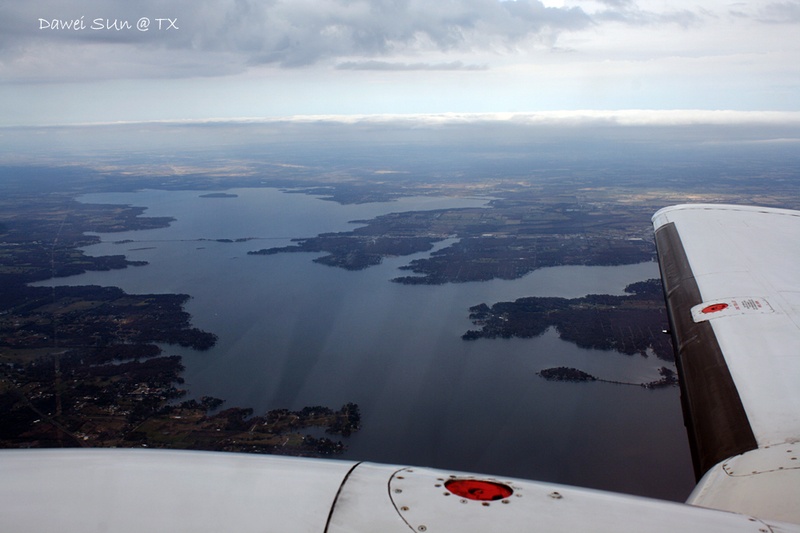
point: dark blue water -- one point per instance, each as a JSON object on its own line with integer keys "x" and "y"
{"x": 294, "y": 333}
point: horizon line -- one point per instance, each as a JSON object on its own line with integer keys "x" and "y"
{"x": 619, "y": 117}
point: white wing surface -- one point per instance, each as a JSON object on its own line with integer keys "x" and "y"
{"x": 127, "y": 491}
{"x": 732, "y": 282}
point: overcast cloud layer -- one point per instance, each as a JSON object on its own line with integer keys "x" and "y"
{"x": 291, "y": 33}
{"x": 201, "y": 58}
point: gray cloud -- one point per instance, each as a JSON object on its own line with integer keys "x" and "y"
{"x": 617, "y": 4}
{"x": 298, "y": 33}
{"x": 222, "y": 37}
{"x": 386, "y": 65}
{"x": 781, "y": 13}
{"x": 627, "y": 12}
{"x": 287, "y": 33}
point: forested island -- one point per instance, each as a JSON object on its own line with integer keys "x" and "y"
{"x": 219, "y": 195}
{"x": 631, "y": 324}
{"x": 354, "y": 251}
{"x": 563, "y": 373}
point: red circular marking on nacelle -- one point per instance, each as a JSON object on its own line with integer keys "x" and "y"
{"x": 475, "y": 489}
{"x": 714, "y": 308}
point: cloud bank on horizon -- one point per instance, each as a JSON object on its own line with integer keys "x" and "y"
{"x": 96, "y": 60}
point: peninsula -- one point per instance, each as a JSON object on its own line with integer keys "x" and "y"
{"x": 631, "y": 324}
{"x": 506, "y": 240}
{"x": 562, "y": 373}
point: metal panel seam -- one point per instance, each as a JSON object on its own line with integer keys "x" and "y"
{"x": 336, "y": 498}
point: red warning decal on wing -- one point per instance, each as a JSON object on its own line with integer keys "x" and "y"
{"x": 730, "y": 306}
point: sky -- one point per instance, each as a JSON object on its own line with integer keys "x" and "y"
{"x": 90, "y": 61}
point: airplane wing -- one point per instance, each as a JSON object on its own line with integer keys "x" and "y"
{"x": 107, "y": 490}
{"x": 731, "y": 279}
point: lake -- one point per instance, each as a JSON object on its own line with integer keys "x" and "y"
{"x": 294, "y": 333}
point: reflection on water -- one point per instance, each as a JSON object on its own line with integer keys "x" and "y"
{"x": 294, "y": 333}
